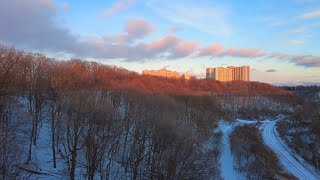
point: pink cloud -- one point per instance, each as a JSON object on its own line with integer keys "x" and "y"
{"x": 116, "y": 7}
{"x": 138, "y": 28}
{"x": 164, "y": 43}
{"x": 174, "y": 29}
{"x": 301, "y": 60}
{"x": 243, "y": 52}
{"x": 212, "y": 50}
{"x": 174, "y": 46}
{"x": 307, "y": 60}
{"x": 217, "y": 50}
{"x": 117, "y": 39}
{"x": 185, "y": 48}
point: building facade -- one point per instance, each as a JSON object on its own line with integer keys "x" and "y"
{"x": 162, "y": 73}
{"x": 230, "y": 73}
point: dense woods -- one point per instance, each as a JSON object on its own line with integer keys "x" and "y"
{"x": 97, "y": 127}
{"x": 100, "y": 121}
{"x": 301, "y": 131}
{"x": 252, "y": 157}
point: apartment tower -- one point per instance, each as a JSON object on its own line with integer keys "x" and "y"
{"x": 230, "y": 73}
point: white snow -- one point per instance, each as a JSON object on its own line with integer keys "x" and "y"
{"x": 292, "y": 162}
{"x": 41, "y": 153}
{"x": 228, "y": 171}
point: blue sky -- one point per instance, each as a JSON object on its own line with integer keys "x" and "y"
{"x": 278, "y": 39}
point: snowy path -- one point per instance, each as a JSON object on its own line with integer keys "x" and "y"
{"x": 228, "y": 171}
{"x": 291, "y": 162}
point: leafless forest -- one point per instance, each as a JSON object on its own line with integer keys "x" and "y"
{"x": 107, "y": 122}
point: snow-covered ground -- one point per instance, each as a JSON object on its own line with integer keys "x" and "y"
{"x": 41, "y": 166}
{"x": 292, "y": 162}
{"x": 228, "y": 170}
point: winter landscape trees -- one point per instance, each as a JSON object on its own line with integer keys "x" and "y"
{"x": 95, "y": 121}
{"x": 252, "y": 157}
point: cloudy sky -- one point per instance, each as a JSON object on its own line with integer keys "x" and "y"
{"x": 280, "y": 40}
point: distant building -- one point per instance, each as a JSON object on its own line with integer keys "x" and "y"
{"x": 162, "y": 73}
{"x": 230, "y": 73}
{"x": 186, "y": 76}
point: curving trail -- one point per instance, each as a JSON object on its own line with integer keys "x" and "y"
{"x": 292, "y": 162}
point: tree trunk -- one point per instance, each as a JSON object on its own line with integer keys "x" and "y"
{"x": 73, "y": 162}
{"x": 53, "y": 136}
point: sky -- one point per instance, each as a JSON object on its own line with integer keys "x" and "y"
{"x": 279, "y": 40}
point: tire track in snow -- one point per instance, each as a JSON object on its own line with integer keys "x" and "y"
{"x": 301, "y": 170}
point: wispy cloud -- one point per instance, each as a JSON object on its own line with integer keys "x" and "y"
{"x": 216, "y": 50}
{"x": 269, "y": 21}
{"x": 310, "y": 15}
{"x": 313, "y": 76}
{"x": 293, "y": 42}
{"x": 116, "y": 8}
{"x": 208, "y": 18}
{"x": 297, "y": 30}
{"x": 271, "y": 70}
{"x": 174, "y": 29}
{"x": 139, "y": 28}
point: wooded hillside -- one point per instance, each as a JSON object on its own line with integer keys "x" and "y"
{"x": 20, "y": 69}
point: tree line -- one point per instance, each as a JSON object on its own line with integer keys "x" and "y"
{"x": 23, "y": 70}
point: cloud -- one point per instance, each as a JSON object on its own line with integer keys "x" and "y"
{"x": 174, "y": 29}
{"x": 117, "y": 39}
{"x": 297, "y": 30}
{"x": 271, "y": 70}
{"x": 300, "y": 60}
{"x": 217, "y": 50}
{"x": 116, "y": 8}
{"x": 306, "y": 60}
{"x": 35, "y": 27}
{"x": 138, "y": 28}
{"x": 310, "y": 15}
{"x": 209, "y": 18}
{"x": 173, "y": 45}
{"x": 184, "y": 49}
{"x": 270, "y": 21}
{"x": 293, "y": 42}
{"x": 134, "y": 29}
{"x": 313, "y": 76}
{"x": 163, "y": 44}
{"x": 243, "y": 52}
{"x": 303, "y": 1}
{"x": 211, "y": 50}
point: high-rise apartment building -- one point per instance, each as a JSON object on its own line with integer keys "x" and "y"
{"x": 230, "y": 73}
